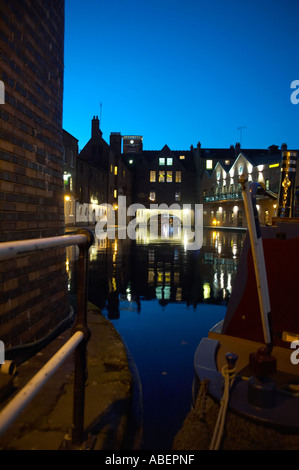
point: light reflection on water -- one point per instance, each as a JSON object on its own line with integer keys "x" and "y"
{"x": 162, "y": 298}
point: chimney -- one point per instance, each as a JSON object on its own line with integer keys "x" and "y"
{"x": 284, "y": 147}
{"x": 95, "y": 127}
{"x": 237, "y": 149}
{"x": 115, "y": 142}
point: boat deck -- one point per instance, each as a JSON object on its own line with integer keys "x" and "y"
{"x": 286, "y": 371}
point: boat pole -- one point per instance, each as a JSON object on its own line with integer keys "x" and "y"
{"x": 257, "y": 255}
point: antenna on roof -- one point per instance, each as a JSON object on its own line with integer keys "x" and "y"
{"x": 100, "y": 114}
{"x": 240, "y": 129}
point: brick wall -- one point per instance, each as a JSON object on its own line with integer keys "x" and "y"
{"x": 33, "y": 296}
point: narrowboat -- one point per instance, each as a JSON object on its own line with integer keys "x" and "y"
{"x": 246, "y": 387}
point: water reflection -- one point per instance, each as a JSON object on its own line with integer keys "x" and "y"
{"x": 160, "y": 268}
{"x": 161, "y": 298}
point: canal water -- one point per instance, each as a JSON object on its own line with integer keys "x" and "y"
{"x": 163, "y": 298}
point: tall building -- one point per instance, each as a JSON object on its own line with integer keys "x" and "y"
{"x": 132, "y": 143}
{"x": 34, "y": 291}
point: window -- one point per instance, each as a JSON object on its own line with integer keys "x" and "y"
{"x": 209, "y": 164}
{"x": 152, "y": 176}
{"x": 169, "y": 161}
{"x": 111, "y": 168}
{"x": 178, "y": 176}
{"x": 115, "y": 170}
{"x": 169, "y": 177}
{"x": 267, "y": 183}
{"x": 161, "y": 176}
{"x": 177, "y": 196}
{"x": 182, "y": 157}
{"x": 115, "y": 193}
{"x": 152, "y": 196}
{"x": 161, "y": 161}
{"x": 124, "y": 173}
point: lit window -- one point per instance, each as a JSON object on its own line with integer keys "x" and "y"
{"x": 177, "y": 196}
{"x": 115, "y": 193}
{"x": 182, "y": 157}
{"x": 115, "y": 170}
{"x": 161, "y": 161}
{"x": 227, "y": 162}
{"x": 209, "y": 164}
{"x": 274, "y": 165}
{"x": 124, "y": 173}
{"x": 178, "y": 176}
{"x": 111, "y": 168}
{"x": 152, "y": 176}
{"x": 152, "y": 196}
{"x": 169, "y": 177}
{"x": 161, "y": 176}
{"x": 267, "y": 183}
{"x": 169, "y": 161}
{"x": 130, "y": 161}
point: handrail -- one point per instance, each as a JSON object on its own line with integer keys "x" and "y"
{"x": 8, "y": 250}
{"x": 28, "y": 392}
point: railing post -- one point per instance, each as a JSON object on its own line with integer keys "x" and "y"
{"x": 81, "y": 350}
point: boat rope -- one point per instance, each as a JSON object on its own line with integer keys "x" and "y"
{"x": 229, "y": 375}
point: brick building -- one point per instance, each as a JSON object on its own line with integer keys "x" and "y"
{"x": 163, "y": 177}
{"x": 102, "y": 176}
{"x": 34, "y": 288}
{"x": 220, "y": 190}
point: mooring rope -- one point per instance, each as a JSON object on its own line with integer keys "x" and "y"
{"x": 229, "y": 375}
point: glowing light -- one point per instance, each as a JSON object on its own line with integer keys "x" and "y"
{"x": 206, "y": 290}
{"x": 274, "y": 165}
{"x": 67, "y": 198}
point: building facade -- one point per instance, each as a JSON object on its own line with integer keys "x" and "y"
{"x": 102, "y": 176}
{"x": 70, "y": 157}
{"x": 220, "y": 190}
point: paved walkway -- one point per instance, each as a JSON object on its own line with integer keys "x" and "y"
{"x": 112, "y": 417}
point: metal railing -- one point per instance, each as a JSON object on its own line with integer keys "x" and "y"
{"x": 78, "y": 342}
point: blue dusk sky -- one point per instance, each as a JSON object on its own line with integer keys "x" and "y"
{"x": 181, "y": 72}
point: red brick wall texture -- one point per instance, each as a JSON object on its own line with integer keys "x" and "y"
{"x": 33, "y": 289}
